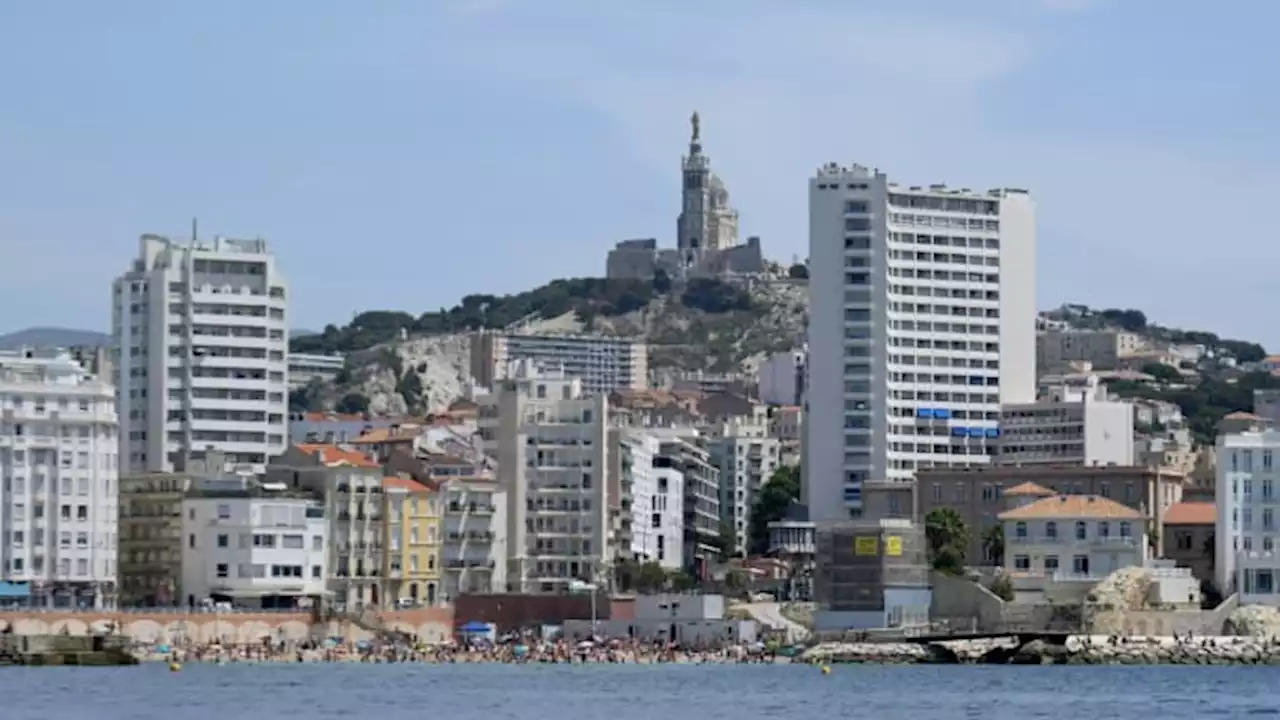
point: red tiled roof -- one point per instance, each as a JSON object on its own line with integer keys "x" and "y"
{"x": 1191, "y": 513}
{"x": 1028, "y": 489}
{"x": 1073, "y": 506}
{"x": 335, "y": 455}
{"x": 404, "y": 483}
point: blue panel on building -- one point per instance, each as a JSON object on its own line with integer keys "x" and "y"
{"x": 13, "y": 590}
{"x": 942, "y": 413}
{"x": 993, "y": 432}
{"x": 958, "y": 432}
{"x": 924, "y": 412}
{"x": 977, "y": 432}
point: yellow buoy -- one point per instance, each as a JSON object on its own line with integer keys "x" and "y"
{"x": 826, "y": 670}
{"x": 175, "y": 667}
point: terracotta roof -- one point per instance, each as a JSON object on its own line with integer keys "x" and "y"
{"x": 1028, "y": 489}
{"x": 404, "y": 483}
{"x": 1191, "y": 513}
{"x": 332, "y": 417}
{"x": 1240, "y": 415}
{"x": 336, "y": 455}
{"x": 1073, "y": 506}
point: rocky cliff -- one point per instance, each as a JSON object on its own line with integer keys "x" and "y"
{"x": 399, "y": 363}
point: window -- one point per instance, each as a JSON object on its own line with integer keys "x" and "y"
{"x": 291, "y": 542}
{"x": 317, "y": 542}
{"x": 1080, "y": 564}
{"x": 191, "y": 541}
{"x": 1126, "y": 530}
{"x": 1051, "y": 563}
{"x": 316, "y": 572}
{"x": 1020, "y": 530}
{"x": 1051, "y": 530}
{"x": 221, "y": 570}
{"x": 1104, "y": 529}
{"x": 1183, "y": 539}
{"x": 1082, "y": 531}
{"x": 1021, "y": 562}
{"x": 224, "y": 512}
{"x": 222, "y": 541}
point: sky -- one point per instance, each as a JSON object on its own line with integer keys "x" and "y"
{"x": 400, "y": 154}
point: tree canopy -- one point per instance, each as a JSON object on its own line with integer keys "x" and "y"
{"x": 588, "y": 297}
{"x": 770, "y": 505}
{"x": 948, "y": 540}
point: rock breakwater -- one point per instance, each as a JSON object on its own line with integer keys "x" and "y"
{"x": 1077, "y": 650}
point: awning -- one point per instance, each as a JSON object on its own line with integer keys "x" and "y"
{"x": 14, "y": 590}
{"x": 475, "y": 627}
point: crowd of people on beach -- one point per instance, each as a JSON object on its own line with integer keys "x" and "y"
{"x": 510, "y": 651}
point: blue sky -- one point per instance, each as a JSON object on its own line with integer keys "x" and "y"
{"x": 404, "y": 153}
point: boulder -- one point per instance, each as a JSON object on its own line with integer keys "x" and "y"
{"x": 1253, "y": 621}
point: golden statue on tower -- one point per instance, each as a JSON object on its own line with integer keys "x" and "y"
{"x": 696, "y": 125}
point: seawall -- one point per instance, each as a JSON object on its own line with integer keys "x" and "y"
{"x": 1078, "y": 650}
{"x": 429, "y": 624}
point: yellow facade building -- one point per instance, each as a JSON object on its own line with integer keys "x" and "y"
{"x": 412, "y": 539}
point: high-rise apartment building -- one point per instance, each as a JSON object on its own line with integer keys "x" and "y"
{"x": 58, "y": 444}
{"x": 551, "y": 442}
{"x": 1247, "y": 557}
{"x": 922, "y": 322}
{"x": 202, "y": 335}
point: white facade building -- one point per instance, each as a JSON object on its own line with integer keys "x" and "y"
{"x": 305, "y": 368}
{"x": 602, "y": 363}
{"x": 747, "y": 456}
{"x": 202, "y": 335}
{"x": 655, "y": 531}
{"x": 1246, "y": 559}
{"x": 550, "y": 439}
{"x": 781, "y": 378}
{"x": 1074, "y": 423}
{"x": 922, "y": 322}
{"x": 58, "y": 460}
{"x": 475, "y": 536}
{"x": 256, "y": 546}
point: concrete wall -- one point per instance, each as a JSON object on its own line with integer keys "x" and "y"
{"x": 965, "y": 603}
{"x": 429, "y": 624}
{"x": 513, "y": 611}
{"x": 1164, "y": 622}
{"x": 705, "y": 633}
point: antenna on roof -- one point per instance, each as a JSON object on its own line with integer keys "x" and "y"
{"x": 195, "y": 230}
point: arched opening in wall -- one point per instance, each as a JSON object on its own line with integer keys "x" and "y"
{"x": 413, "y": 591}
{"x": 373, "y": 595}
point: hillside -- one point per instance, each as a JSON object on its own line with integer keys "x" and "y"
{"x": 1222, "y": 381}
{"x": 403, "y": 363}
{"x": 53, "y": 337}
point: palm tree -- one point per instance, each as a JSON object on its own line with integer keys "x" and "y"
{"x": 948, "y": 539}
{"x": 993, "y": 544}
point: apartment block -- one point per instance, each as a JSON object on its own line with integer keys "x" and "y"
{"x": 201, "y": 330}
{"x": 151, "y": 532}
{"x": 473, "y": 518}
{"x": 602, "y": 364}
{"x": 978, "y": 494}
{"x": 252, "y": 544}
{"x": 351, "y": 485}
{"x": 413, "y": 539}
{"x": 1073, "y": 423}
{"x": 306, "y": 368}
{"x": 1247, "y": 560}
{"x": 747, "y": 456}
{"x": 922, "y": 323}
{"x": 647, "y": 517}
{"x": 550, "y": 438}
{"x": 682, "y": 450}
{"x": 1059, "y": 348}
{"x": 59, "y": 439}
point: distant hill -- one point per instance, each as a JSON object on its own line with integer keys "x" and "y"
{"x": 52, "y": 337}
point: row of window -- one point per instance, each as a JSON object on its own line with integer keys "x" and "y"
{"x": 942, "y": 292}
{"x": 19, "y": 512}
{"x": 247, "y": 572}
{"x": 1079, "y": 563}
{"x": 40, "y": 404}
{"x": 1081, "y": 530}
{"x": 1243, "y": 519}
{"x": 970, "y": 205}
{"x": 976, "y": 243}
{"x": 18, "y": 566}
{"x": 18, "y": 538}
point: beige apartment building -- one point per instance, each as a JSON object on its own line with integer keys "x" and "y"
{"x": 1103, "y": 349}
{"x": 603, "y": 364}
{"x": 977, "y": 493}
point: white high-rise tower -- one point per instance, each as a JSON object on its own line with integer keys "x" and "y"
{"x": 922, "y": 322}
{"x": 202, "y": 334}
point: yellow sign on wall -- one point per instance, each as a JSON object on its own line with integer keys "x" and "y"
{"x": 866, "y": 545}
{"x": 893, "y": 546}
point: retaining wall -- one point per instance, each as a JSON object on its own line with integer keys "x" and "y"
{"x": 429, "y": 624}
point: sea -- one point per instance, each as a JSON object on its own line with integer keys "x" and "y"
{"x": 636, "y": 692}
